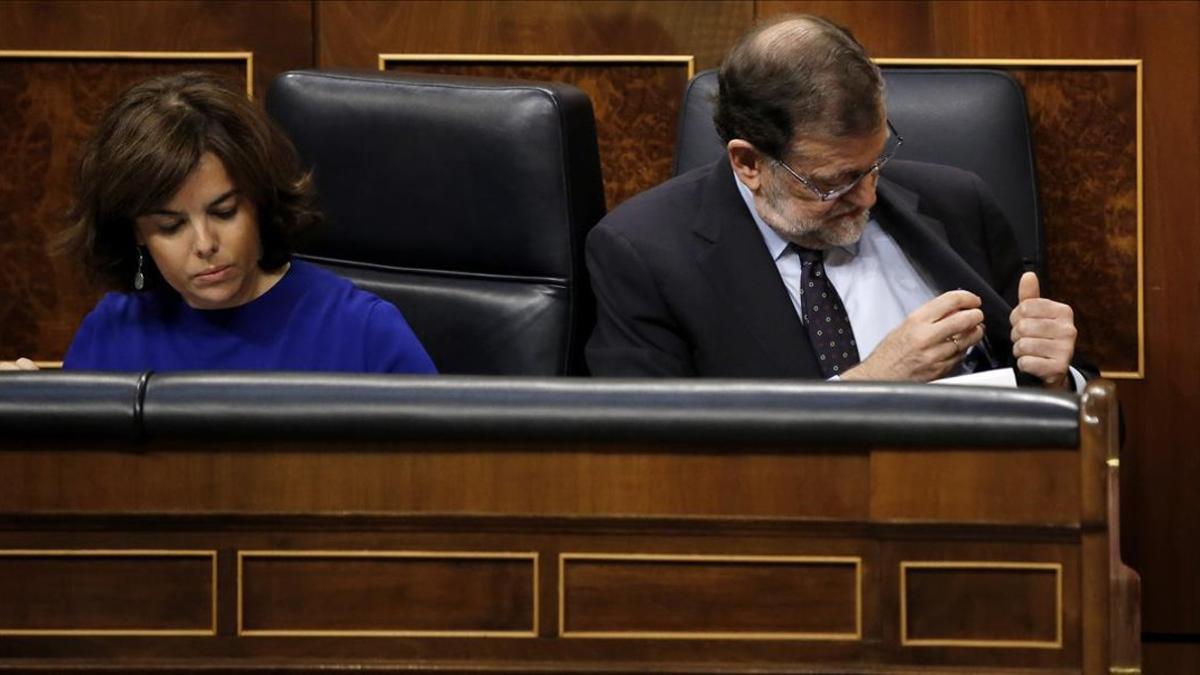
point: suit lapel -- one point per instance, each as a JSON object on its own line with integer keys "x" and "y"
{"x": 924, "y": 241}
{"x": 735, "y": 261}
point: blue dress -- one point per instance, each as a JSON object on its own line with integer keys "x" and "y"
{"x": 310, "y": 320}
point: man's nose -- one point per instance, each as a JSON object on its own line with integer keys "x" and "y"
{"x": 862, "y": 195}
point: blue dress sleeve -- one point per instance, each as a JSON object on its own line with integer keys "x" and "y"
{"x": 391, "y": 346}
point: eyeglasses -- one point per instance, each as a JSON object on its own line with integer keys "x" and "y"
{"x": 894, "y": 141}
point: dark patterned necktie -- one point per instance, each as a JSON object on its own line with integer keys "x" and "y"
{"x": 825, "y": 317}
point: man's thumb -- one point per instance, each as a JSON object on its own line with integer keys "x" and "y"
{"x": 1028, "y": 289}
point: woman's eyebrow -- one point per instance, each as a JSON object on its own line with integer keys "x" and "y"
{"x": 222, "y": 198}
{"x": 163, "y": 211}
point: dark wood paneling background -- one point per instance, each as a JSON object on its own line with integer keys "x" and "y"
{"x": 57, "y": 103}
{"x": 1162, "y": 455}
{"x": 279, "y": 32}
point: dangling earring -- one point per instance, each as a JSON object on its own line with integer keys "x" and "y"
{"x": 139, "y": 279}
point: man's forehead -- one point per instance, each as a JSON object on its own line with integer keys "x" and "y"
{"x": 845, "y": 151}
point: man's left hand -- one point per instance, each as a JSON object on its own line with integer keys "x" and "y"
{"x": 1043, "y": 335}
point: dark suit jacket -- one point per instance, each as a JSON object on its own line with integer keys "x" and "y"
{"x": 685, "y": 285}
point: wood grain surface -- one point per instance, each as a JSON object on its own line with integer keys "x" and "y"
{"x": 1161, "y": 461}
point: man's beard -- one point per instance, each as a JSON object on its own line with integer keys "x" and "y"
{"x": 823, "y": 234}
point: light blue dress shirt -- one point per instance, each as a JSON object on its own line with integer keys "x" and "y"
{"x": 878, "y": 284}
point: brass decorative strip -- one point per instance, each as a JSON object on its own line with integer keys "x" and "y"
{"x": 683, "y": 59}
{"x": 856, "y": 561}
{"x": 1136, "y": 65}
{"x": 120, "y": 553}
{"x": 146, "y": 56}
{"x": 531, "y": 556}
{"x": 1057, "y": 568}
{"x": 1011, "y": 63}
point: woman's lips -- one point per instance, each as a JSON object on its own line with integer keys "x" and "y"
{"x": 213, "y": 275}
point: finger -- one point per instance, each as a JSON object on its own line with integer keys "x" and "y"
{"x": 1044, "y": 308}
{"x": 26, "y": 364}
{"x": 1048, "y": 370}
{"x": 8, "y": 365}
{"x": 959, "y": 323}
{"x": 945, "y": 304}
{"x": 1060, "y": 350}
{"x": 1044, "y": 328}
{"x": 973, "y": 338}
{"x": 1028, "y": 288}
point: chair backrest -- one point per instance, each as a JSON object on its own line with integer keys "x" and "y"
{"x": 465, "y": 202}
{"x": 967, "y": 118}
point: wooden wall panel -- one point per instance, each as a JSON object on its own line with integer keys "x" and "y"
{"x": 1165, "y": 658}
{"x": 1084, "y": 126}
{"x": 77, "y": 592}
{"x": 352, "y": 34}
{"x": 968, "y": 572}
{"x": 53, "y": 104}
{"x": 280, "y": 32}
{"x": 381, "y": 593}
{"x": 698, "y": 597}
{"x": 404, "y": 478}
{"x": 1161, "y": 461}
{"x": 47, "y": 113}
{"x": 982, "y": 604}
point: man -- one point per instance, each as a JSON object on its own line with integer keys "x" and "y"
{"x": 792, "y": 257}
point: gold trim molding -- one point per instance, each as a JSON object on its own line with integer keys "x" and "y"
{"x": 856, "y": 561}
{"x": 530, "y": 556}
{"x": 1057, "y": 568}
{"x": 1136, "y": 65}
{"x": 609, "y": 59}
{"x": 120, "y": 553}
{"x": 144, "y": 56}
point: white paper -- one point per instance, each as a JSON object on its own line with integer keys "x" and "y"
{"x": 1000, "y": 377}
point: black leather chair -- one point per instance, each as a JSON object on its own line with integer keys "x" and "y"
{"x": 968, "y": 118}
{"x": 465, "y": 202}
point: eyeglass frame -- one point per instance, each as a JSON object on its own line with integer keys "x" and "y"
{"x": 830, "y": 195}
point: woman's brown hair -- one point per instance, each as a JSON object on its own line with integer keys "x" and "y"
{"x": 145, "y": 147}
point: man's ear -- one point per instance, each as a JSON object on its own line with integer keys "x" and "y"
{"x": 747, "y": 162}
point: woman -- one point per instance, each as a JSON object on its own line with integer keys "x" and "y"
{"x": 189, "y": 204}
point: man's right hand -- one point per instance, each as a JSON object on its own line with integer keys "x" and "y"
{"x": 930, "y": 342}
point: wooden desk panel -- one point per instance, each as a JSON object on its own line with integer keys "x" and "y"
{"x": 597, "y": 557}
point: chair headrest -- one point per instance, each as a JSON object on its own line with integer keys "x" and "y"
{"x": 409, "y": 167}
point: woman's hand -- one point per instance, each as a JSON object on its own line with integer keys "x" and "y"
{"x": 19, "y": 364}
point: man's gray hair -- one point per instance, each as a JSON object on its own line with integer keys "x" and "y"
{"x": 795, "y": 76}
